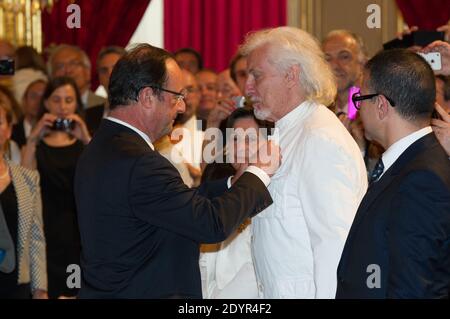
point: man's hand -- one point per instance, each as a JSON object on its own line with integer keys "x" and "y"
{"x": 442, "y": 129}
{"x": 444, "y": 49}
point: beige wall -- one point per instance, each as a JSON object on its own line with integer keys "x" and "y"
{"x": 321, "y": 16}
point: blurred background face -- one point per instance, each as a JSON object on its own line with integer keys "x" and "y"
{"x": 5, "y": 128}
{"x": 241, "y": 150}
{"x": 207, "y": 83}
{"x": 62, "y": 102}
{"x": 192, "y": 99}
{"x": 32, "y": 99}
{"x": 68, "y": 62}
{"x": 187, "y": 61}
{"x": 6, "y": 50}
{"x": 226, "y": 86}
{"x": 240, "y": 70}
{"x": 105, "y": 67}
{"x": 342, "y": 53}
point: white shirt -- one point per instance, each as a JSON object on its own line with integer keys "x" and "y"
{"x": 395, "y": 150}
{"x": 142, "y": 134}
{"x": 298, "y": 240}
{"x": 190, "y": 147}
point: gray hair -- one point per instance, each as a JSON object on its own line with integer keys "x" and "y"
{"x": 297, "y": 47}
{"x": 56, "y": 50}
{"x": 362, "y": 50}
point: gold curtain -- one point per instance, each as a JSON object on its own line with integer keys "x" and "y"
{"x": 20, "y": 21}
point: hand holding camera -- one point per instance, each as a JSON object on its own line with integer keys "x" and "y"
{"x": 72, "y": 124}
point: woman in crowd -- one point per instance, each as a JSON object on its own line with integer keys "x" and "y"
{"x": 30, "y": 107}
{"x": 53, "y": 148}
{"x": 227, "y": 268}
{"x": 23, "y": 270}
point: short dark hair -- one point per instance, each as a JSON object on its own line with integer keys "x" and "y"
{"x": 113, "y": 49}
{"x": 233, "y": 63}
{"x": 56, "y": 83}
{"x": 407, "y": 79}
{"x": 144, "y": 65}
{"x": 195, "y": 53}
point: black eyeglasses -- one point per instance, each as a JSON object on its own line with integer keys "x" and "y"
{"x": 180, "y": 96}
{"x": 357, "y": 98}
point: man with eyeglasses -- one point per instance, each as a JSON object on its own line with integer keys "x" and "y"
{"x": 141, "y": 234}
{"x": 71, "y": 61}
{"x": 398, "y": 246}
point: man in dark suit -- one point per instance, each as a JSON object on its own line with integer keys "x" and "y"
{"x": 140, "y": 225}
{"x": 399, "y": 243}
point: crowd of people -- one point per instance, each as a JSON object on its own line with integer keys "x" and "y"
{"x": 340, "y": 207}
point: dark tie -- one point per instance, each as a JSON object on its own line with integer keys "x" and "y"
{"x": 377, "y": 171}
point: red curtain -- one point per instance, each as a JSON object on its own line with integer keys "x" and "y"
{"x": 215, "y": 28}
{"x": 426, "y": 14}
{"x": 103, "y": 22}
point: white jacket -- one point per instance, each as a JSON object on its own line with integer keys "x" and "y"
{"x": 298, "y": 240}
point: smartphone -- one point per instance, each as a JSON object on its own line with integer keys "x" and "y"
{"x": 352, "y": 111}
{"x": 433, "y": 59}
{"x": 239, "y": 101}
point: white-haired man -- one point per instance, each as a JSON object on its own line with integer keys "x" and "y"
{"x": 297, "y": 242}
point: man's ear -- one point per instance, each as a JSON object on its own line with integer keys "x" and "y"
{"x": 383, "y": 107}
{"x": 292, "y": 75}
{"x": 146, "y": 97}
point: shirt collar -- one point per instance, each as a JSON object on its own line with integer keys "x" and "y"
{"x": 142, "y": 134}
{"x": 395, "y": 150}
{"x": 299, "y": 114}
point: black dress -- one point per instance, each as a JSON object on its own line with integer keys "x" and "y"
{"x": 56, "y": 166}
{"x": 9, "y": 289}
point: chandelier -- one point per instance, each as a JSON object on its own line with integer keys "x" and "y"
{"x": 20, "y": 21}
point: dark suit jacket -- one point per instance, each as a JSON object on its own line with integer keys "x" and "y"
{"x": 93, "y": 117}
{"x": 402, "y": 226}
{"x": 141, "y": 225}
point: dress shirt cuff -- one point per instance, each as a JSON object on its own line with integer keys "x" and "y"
{"x": 256, "y": 171}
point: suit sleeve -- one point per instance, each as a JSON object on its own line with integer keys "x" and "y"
{"x": 158, "y": 196}
{"x": 419, "y": 238}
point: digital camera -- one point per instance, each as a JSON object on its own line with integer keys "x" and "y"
{"x": 65, "y": 125}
